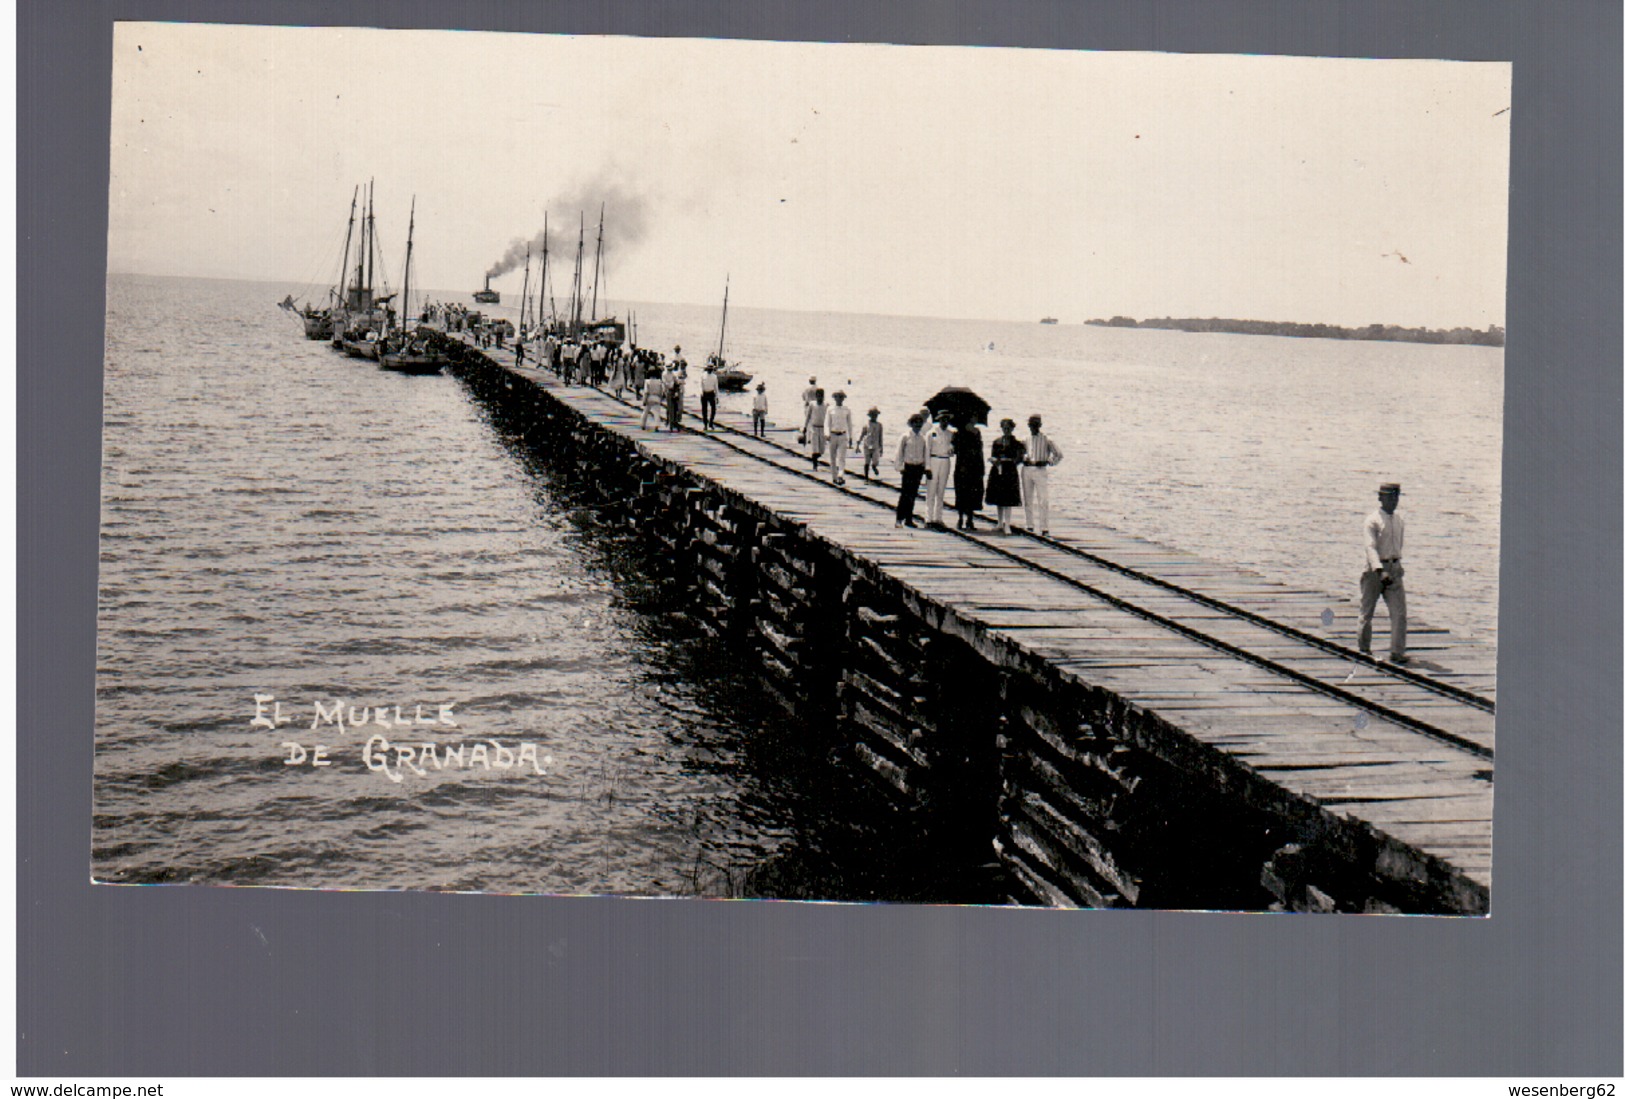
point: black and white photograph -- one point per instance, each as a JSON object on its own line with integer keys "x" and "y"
{"x": 805, "y": 471}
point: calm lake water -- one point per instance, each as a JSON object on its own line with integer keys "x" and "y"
{"x": 281, "y": 521}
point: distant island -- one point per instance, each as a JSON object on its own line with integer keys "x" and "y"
{"x": 1494, "y": 336}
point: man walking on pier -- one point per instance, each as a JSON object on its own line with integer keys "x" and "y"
{"x": 569, "y": 354}
{"x": 708, "y": 397}
{"x": 654, "y": 401}
{"x": 873, "y": 443}
{"x": 839, "y": 426}
{"x": 676, "y": 375}
{"x": 911, "y": 456}
{"x": 600, "y": 356}
{"x": 758, "y": 412}
{"x": 1041, "y": 454}
{"x": 1384, "y": 575}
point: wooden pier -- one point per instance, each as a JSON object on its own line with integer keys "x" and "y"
{"x": 1134, "y": 726}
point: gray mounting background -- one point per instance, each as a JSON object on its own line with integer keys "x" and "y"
{"x": 218, "y": 981}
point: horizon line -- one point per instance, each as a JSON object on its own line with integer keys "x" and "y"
{"x": 862, "y": 313}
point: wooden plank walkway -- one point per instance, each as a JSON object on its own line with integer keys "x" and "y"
{"x": 1342, "y": 753}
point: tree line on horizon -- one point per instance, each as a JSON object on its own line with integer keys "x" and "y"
{"x": 1493, "y": 336}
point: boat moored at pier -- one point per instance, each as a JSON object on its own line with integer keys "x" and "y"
{"x": 411, "y": 352}
{"x": 729, "y": 378}
{"x": 363, "y": 315}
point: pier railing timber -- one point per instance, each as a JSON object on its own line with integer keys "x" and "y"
{"x": 1126, "y": 724}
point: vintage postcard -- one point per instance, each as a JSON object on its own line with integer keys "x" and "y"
{"x": 694, "y": 468}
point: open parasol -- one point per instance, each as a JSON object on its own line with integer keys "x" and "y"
{"x": 960, "y": 403}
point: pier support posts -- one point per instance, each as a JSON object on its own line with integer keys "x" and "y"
{"x": 956, "y": 738}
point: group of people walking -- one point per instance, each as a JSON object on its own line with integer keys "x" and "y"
{"x": 1015, "y": 473}
{"x": 826, "y": 430}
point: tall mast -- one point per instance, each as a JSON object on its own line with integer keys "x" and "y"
{"x": 349, "y": 231}
{"x": 361, "y": 261}
{"x": 597, "y": 260}
{"x": 541, "y": 292}
{"x": 406, "y": 276}
{"x": 524, "y": 291}
{"x": 575, "y": 288}
{"x": 724, "y": 337}
{"x": 372, "y": 242}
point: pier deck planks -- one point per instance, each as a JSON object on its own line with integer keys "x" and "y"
{"x": 1418, "y": 790}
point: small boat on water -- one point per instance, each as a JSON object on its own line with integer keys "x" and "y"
{"x": 488, "y": 296}
{"x": 729, "y": 378}
{"x": 411, "y": 352}
{"x": 359, "y": 347}
{"x": 318, "y": 322}
{"x": 1049, "y": 320}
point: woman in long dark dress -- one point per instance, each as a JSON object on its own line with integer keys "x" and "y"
{"x": 968, "y": 473}
{"x": 1004, "y": 480}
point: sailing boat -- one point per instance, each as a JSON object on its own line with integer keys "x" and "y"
{"x": 730, "y": 378}
{"x": 602, "y": 329}
{"x": 409, "y": 352}
{"x": 364, "y": 315}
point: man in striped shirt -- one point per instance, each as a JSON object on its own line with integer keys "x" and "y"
{"x": 1041, "y": 454}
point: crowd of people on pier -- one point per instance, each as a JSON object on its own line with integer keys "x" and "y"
{"x": 938, "y": 448}
{"x": 1013, "y": 473}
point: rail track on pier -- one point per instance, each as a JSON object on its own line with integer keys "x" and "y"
{"x": 1408, "y": 697}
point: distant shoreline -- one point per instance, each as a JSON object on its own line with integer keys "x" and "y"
{"x": 1494, "y": 336}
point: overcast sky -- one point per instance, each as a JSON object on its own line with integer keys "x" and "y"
{"x": 938, "y": 181}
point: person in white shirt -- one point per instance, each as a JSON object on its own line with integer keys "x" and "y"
{"x": 758, "y": 411}
{"x": 1041, "y": 454}
{"x": 708, "y": 397}
{"x": 872, "y": 441}
{"x": 675, "y": 378}
{"x": 812, "y": 427}
{"x": 910, "y": 462}
{"x": 838, "y": 426}
{"x": 654, "y": 401}
{"x": 941, "y": 446}
{"x": 1384, "y": 575}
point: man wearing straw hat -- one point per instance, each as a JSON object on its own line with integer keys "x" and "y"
{"x": 872, "y": 441}
{"x": 912, "y": 453}
{"x": 838, "y": 428}
{"x": 1384, "y": 575}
